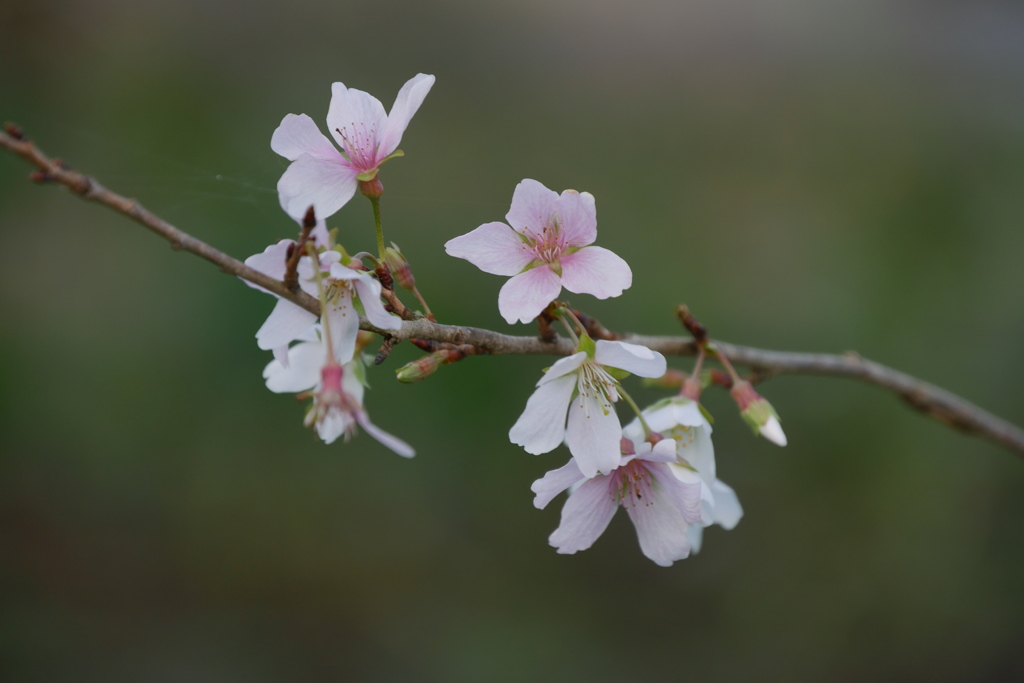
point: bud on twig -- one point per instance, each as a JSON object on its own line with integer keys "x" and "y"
{"x": 15, "y": 131}
{"x": 419, "y": 370}
{"x": 758, "y": 413}
{"x": 399, "y": 266}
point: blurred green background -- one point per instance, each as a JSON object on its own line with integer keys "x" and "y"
{"x": 806, "y": 176}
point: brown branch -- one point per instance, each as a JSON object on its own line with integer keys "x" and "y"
{"x": 928, "y": 398}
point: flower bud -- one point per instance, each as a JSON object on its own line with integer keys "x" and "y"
{"x": 758, "y": 413}
{"x": 399, "y": 267}
{"x": 418, "y": 370}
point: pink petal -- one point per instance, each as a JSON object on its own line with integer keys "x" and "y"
{"x": 661, "y": 530}
{"x": 593, "y": 436}
{"x": 326, "y": 185}
{"x": 494, "y": 248}
{"x": 682, "y": 487}
{"x": 595, "y": 271}
{"x": 298, "y": 135}
{"x": 393, "y": 442}
{"x": 541, "y": 427}
{"x": 409, "y": 99}
{"x": 302, "y": 373}
{"x": 360, "y": 115}
{"x": 578, "y": 217}
{"x": 532, "y": 206}
{"x": 286, "y": 323}
{"x": 633, "y": 358}
{"x": 585, "y": 517}
{"x": 554, "y": 482}
{"x": 526, "y": 295}
{"x": 320, "y": 234}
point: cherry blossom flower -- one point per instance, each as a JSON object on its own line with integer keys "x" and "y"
{"x": 546, "y": 248}
{"x": 344, "y": 285}
{"x": 681, "y": 419}
{"x": 324, "y": 178}
{"x": 583, "y": 386}
{"x": 337, "y": 392}
{"x": 661, "y": 504}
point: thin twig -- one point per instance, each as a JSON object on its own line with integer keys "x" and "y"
{"x": 928, "y": 398}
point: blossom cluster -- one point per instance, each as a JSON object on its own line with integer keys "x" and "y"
{"x": 660, "y": 466}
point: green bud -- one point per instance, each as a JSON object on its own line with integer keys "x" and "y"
{"x": 399, "y": 267}
{"x": 418, "y": 370}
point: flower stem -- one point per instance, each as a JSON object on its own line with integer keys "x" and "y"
{"x": 568, "y": 328}
{"x": 566, "y": 311}
{"x": 423, "y": 303}
{"x": 728, "y": 366}
{"x": 380, "y": 231}
{"x": 636, "y": 409}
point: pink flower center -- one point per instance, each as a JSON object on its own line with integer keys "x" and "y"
{"x": 548, "y": 244}
{"x": 634, "y": 485}
{"x": 332, "y": 402}
{"x": 360, "y": 145}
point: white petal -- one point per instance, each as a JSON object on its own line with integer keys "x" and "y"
{"x": 286, "y": 323}
{"x": 663, "y": 451}
{"x": 409, "y": 99}
{"x": 634, "y": 431}
{"x": 493, "y": 248}
{"x": 595, "y": 271}
{"x": 303, "y": 372}
{"x": 333, "y": 425}
{"x": 343, "y": 322}
{"x": 633, "y": 358}
{"x": 298, "y": 135}
{"x": 772, "y": 431}
{"x": 350, "y": 383}
{"x": 554, "y": 482}
{"x": 320, "y": 234}
{"x": 585, "y": 517}
{"x": 393, "y": 442}
{"x": 369, "y": 290}
{"x": 563, "y": 366}
{"x": 326, "y": 185}
{"x": 541, "y": 427}
{"x": 593, "y": 436}
{"x": 728, "y": 510}
{"x": 695, "y": 534}
{"x": 526, "y": 295}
